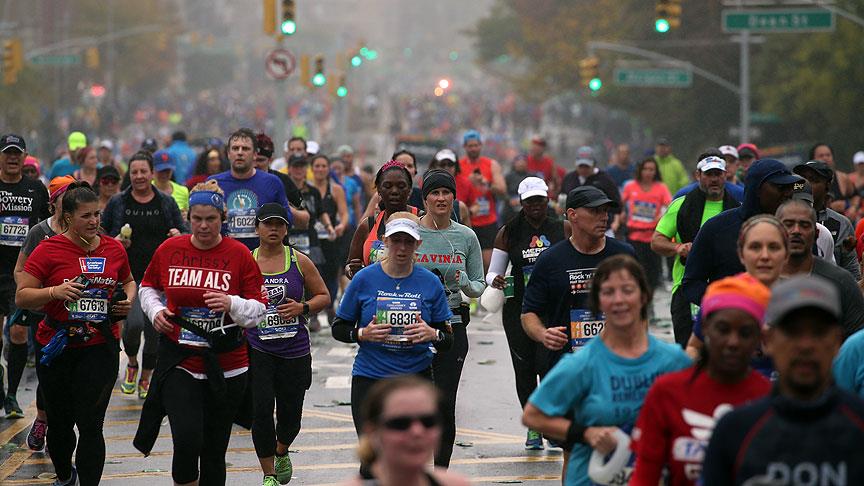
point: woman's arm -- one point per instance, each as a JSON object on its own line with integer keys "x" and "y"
{"x": 314, "y": 285}
{"x": 355, "y": 253}
{"x": 464, "y": 214}
{"x": 31, "y": 296}
{"x": 341, "y": 208}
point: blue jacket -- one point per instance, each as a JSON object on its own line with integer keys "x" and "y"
{"x": 184, "y": 160}
{"x": 714, "y": 254}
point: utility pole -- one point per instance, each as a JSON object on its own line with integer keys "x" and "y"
{"x": 744, "y": 86}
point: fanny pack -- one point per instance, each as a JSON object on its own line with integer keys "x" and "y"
{"x": 221, "y": 341}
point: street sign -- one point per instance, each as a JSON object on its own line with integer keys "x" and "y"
{"x": 56, "y": 59}
{"x": 770, "y": 21}
{"x": 654, "y": 77}
{"x": 280, "y": 63}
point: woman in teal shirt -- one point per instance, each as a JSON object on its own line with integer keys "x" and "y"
{"x": 452, "y": 252}
{"x": 591, "y": 393}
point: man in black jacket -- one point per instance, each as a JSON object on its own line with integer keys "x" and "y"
{"x": 807, "y": 431}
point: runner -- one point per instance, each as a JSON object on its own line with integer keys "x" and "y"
{"x": 486, "y": 177}
{"x": 730, "y": 155}
{"x": 763, "y": 247}
{"x": 42, "y": 231}
{"x": 537, "y": 162}
{"x": 646, "y": 199}
{"x": 211, "y": 288}
{"x": 211, "y": 161}
{"x": 409, "y": 160}
{"x": 594, "y": 394}
{"x": 401, "y": 431}
{"x": 332, "y": 238}
{"x": 263, "y": 156}
{"x": 393, "y": 183}
{"x": 295, "y": 146}
{"x": 23, "y": 203}
{"x": 465, "y": 193}
{"x": 109, "y": 184}
{"x": 806, "y": 431}
{"x": 519, "y": 243}
{"x": 279, "y": 349}
{"x": 88, "y": 166}
{"x": 247, "y": 188}
{"x": 450, "y": 251}
{"x": 555, "y": 306}
{"x": 66, "y": 164}
{"x": 671, "y": 169}
{"x": 587, "y": 174}
{"x": 681, "y": 408}
{"x": 163, "y": 168}
{"x": 306, "y": 240}
{"x": 150, "y": 217}
{"x": 74, "y": 276}
{"x": 397, "y": 311}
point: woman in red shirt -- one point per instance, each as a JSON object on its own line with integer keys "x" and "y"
{"x": 646, "y": 198}
{"x": 681, "y": 408}
{"x": 199, "y": 291}
{"x": 73, "y": 276}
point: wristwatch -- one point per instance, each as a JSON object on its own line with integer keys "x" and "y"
{"x": 305, "y": 308}
{"x": 439, "y": 336}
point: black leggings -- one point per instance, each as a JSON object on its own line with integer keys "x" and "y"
{"x": 682, "y": 318}
{"x": 446, "y": 372}
{"x": 286, "y": 381}
{"x": 137, "y": 321}
{"x": 360, "y": 386}
{"x": 200, "y": 425}
{"x": 76, "y": 388}
{"x": 526, "y": 354}
{"x": 650, "y": 261}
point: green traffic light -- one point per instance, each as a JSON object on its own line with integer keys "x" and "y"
{"x": 364, "y": 51}
{"x": 372, "y": 55}
{"x": 288, "y": 27}
{"x": 661, "y": 25}
{"x": 341, "y": 91}
{"x": 595, "y": 84}
{"x": 356, "y": 61}
{"x": 319, "y": 80}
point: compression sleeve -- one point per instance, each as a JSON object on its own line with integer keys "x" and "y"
{"x": 246, "y": 312}
{"x": 498, "y": 265}
{"x": 151, "y": 301}
{"x": 344, "y": 331}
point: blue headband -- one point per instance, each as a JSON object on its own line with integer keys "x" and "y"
{"x": 207, "y": 198}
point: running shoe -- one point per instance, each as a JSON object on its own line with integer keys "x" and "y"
{"x": 36, "y": 436}
{"x": 283, "y": 468}
{"x": 13, "y": 411}
{"x": 270, "y": 481}
{"x": 143, "y": 388}
{"x": 534, "y": 441}
{"x": 128, "y": 385}
{"x": 72, "y": 481}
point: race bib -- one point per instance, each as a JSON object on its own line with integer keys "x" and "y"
{"x": 13, "y": 230}
{"x": 91, "y": 307}
{"x": 300, "y": 241}
{"x": 321, "y": 231}
{"x": 202, "y": 318}
{"x": 483, "y": 206}
{"x": 375, "y": 251}
{"x": 643, "y": 211}
{"x": 241, "y": 223}
{"x": 399, "y": 313}
{"x": 273, "y": 326}
{"x": 584, "y": 325}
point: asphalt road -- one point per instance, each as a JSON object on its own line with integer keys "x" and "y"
{"x": 489, "y": 438}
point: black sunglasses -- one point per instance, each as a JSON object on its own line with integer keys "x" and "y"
{"x": 447, "y": 163}
{"x": 404, "y": 422}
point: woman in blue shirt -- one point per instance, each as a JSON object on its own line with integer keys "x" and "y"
{"x": 591, "y": 393}
{"x": 396, "y": 311}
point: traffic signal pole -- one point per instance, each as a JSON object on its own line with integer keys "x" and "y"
{"x": 744, "y": 86}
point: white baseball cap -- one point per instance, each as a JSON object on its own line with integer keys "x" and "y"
{"x": 312, "y": 147}
{"x": 728, "y": 150}
{"x": 106, "y": 144}
{"x": 711, "y": 162}
{"x": 402, "y": 225}
{"x": 445, "y": 154}
{"x": 532, "y": 186}
{"x": 858, "y": 158}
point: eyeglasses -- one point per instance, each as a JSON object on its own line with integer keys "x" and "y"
{"x": 108, "y": 180}
{"x": 404, "y": 422}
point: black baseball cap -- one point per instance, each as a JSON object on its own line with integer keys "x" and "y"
{"x": 816, "y": 166}
{"x": 587, "y": 197}
{"x": 297, "y": 160}
{"x": 803, "y": 190}
{"x": 150, "y": 145}
{"x": 272, "y": 210}
{"x": 10, "y": 140}
{"x": 108, "y": 171}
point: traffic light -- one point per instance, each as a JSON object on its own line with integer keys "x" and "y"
{"x": 91, "y": 57}
{"x": 288, "y": 26}
{"x": 319, "y": 79}
{"x": 668, "y": 15}
{"x": 269, "y": 26}
{"x": 589, "y": 73}
{"x": 342, "y": 90}
{"x": 97, "y": 90}
{"x": 13, "y": 60}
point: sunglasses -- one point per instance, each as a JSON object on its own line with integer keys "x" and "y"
{"x": 108, "y": 180}
{"x": 404, "y": 422}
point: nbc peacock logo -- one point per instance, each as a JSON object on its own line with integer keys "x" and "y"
{"x": 539, "y": 242}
